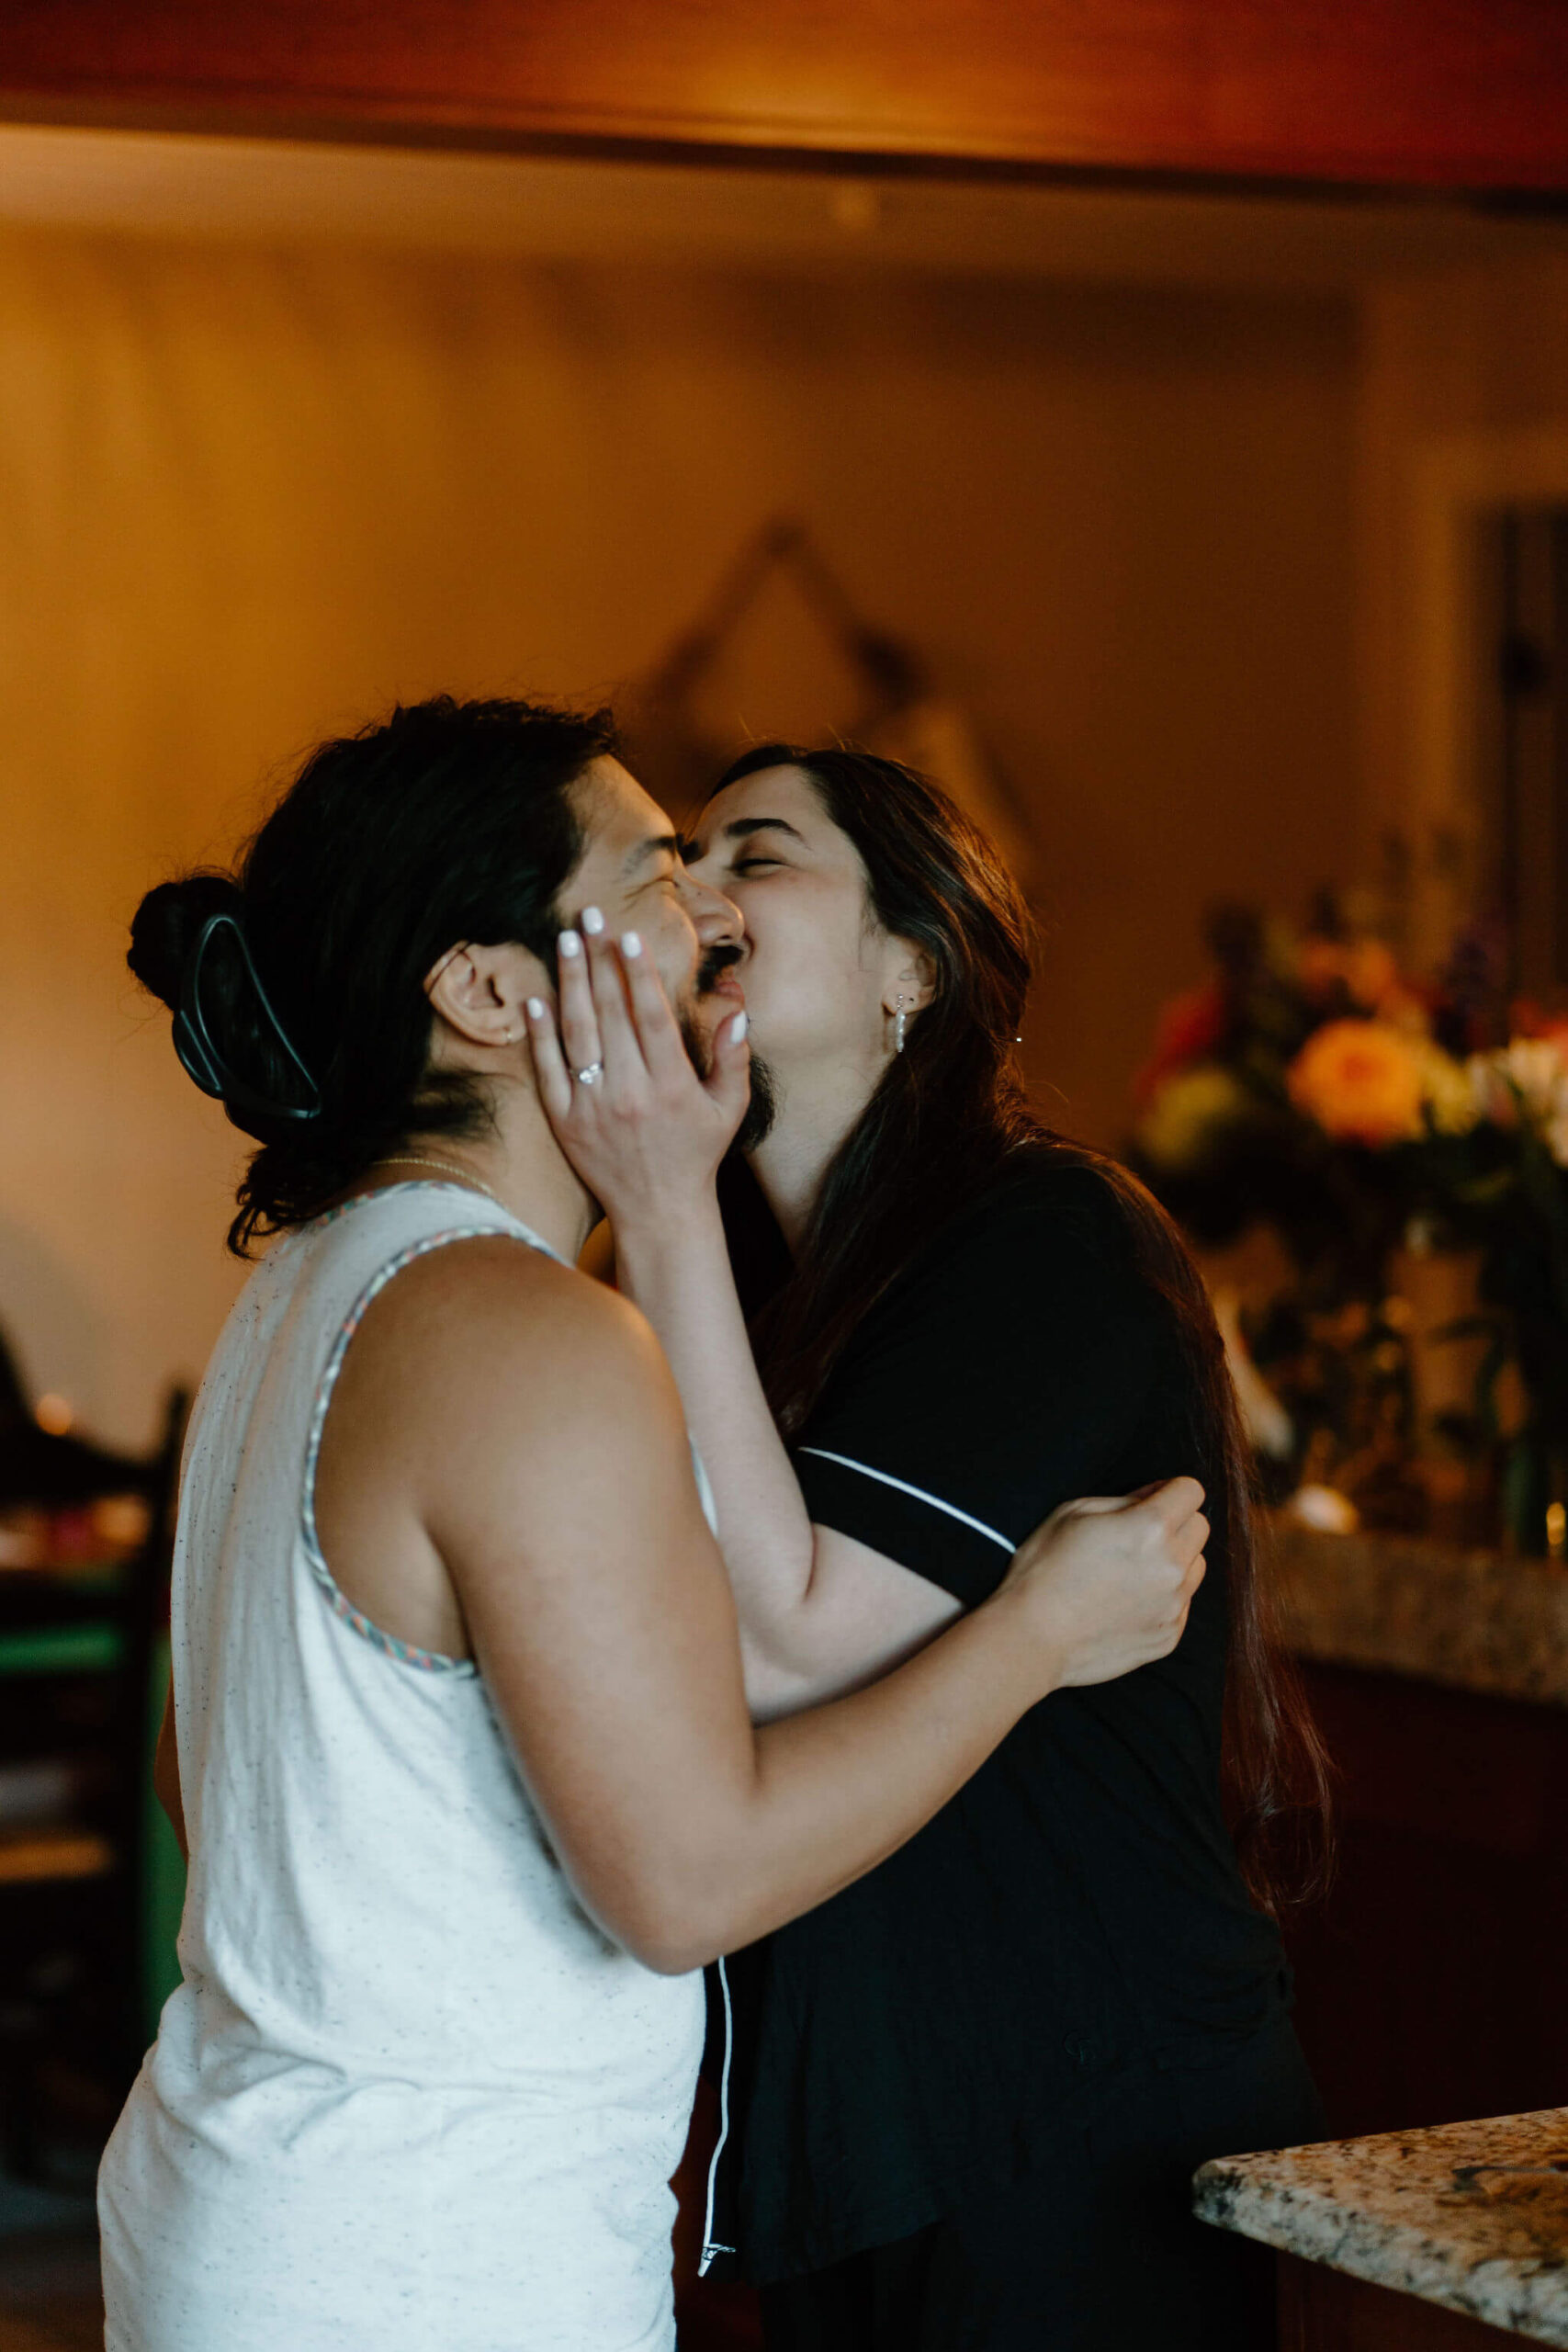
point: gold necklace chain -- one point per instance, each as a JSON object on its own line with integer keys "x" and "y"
{"x": 447, "y": 1166}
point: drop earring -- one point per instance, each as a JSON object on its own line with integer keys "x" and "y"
{"x": 901, "y": 1021}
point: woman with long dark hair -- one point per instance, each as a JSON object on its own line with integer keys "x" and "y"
{"x": 968, "y": 2092}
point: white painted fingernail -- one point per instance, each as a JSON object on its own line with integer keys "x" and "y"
{"x": 570, "y": 944}
{"x": 536, "y": 1008}
{"x": 631, "y": 945}
{"x": 738, "y": 1027}
{"x": 592, "y": 921}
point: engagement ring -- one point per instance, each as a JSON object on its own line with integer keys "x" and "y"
{"x": 591, "y": 1075}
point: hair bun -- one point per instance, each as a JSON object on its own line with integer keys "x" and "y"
{"x": 166, "y": 925}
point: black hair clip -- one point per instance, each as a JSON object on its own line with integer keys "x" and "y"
{"x": 200, "y": 1059}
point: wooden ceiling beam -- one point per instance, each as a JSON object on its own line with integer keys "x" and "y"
{"x": 1440, "y": 93}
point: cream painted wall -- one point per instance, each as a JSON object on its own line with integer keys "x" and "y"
{"x": 247, "y": 496}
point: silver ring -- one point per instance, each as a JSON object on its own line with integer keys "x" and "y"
{"x": 591, "y": 1075}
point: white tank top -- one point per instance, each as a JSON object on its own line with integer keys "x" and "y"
{"x": 408, "y": 2096}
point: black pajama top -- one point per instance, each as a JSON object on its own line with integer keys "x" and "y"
{"x": 1073, "y": 1924}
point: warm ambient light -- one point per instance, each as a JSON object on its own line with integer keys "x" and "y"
{"x": 1556, "y": 1531}
{"x": 54, "y": 1415}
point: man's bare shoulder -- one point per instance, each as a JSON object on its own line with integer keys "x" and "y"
{"x": 490, "y": 1316}
{"x": 468, "y": 1434}
{"x": 502, "y": 1387}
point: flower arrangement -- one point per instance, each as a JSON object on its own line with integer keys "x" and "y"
{"x": 1312, "y": 1085}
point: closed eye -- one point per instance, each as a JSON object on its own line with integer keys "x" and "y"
{"x": 752, "y": 864}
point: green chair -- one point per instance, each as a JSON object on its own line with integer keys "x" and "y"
{"x": 89, "y": 1901}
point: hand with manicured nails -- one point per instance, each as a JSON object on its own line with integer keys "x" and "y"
{"x": 1106, "y": 1581}
{"x": 648, "y": 1134}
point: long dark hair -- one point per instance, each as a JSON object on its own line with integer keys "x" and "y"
{"x": 449, "y": 822}
{"x": 949, "y": 1118}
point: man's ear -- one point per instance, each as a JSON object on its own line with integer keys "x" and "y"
{"x": 479, "y": 992}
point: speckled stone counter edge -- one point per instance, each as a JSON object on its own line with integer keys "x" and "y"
{"x": 1398, "y": 2211}
{"x": 1471, "y": 1619}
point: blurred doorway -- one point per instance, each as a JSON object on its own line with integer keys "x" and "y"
{"x": 1524, "y": 736}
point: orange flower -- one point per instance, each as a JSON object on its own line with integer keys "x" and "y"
{"x": 1365, "y": 967}
{"x": 1370, "y": 972}
{"x": 1360, "y": 1082}
{"x": 1527, "y": 1017}
{"x": 1320, "y": 964}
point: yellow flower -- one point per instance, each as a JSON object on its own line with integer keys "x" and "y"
{"x": 1446, "y": 1090}
{"x": 1184, "y": 1114}
{"x": 1538, "y": 1067}
{"x": 1361, "y": 1081}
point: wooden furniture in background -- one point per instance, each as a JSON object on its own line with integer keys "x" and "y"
{"x": 1322, "y": 2311}
{"x": 1430, "y": 1986}
{"x": 1377, "y": 92}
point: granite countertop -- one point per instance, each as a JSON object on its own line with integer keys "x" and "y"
{"x": 1474, "y": 2216}
{"x": 1396, "y": 1604}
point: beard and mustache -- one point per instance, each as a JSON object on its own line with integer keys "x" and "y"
{"x": 763, "y": 1107}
